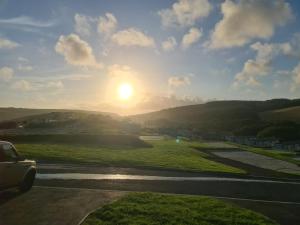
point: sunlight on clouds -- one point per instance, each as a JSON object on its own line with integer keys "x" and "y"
{"x": 185, "y": 13}
{"x": 245, "y": 20}
{"x": 82, "y": 24}
{"x": 133, "y": 37}
{"x": 191, "y": 37}
{"x": 169, "y": 44}
{"x": 107, "y": 24}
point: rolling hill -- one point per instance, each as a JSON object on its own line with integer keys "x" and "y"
{"x": 286, "y": 114}
{"x": 218, "y": 111}
{"x": 235, "y": 117}
{"x": 10, "y": 113}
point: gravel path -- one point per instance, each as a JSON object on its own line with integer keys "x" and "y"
{"x": 260, "y": 161}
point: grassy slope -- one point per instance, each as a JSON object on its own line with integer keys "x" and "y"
{"x": 23, "y": 113}
{"x": 287, "y": 114}
{"x": 156, "y": 209}
{"x": 164, "y": 154}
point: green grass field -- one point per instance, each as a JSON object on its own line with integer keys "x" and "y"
{"x": 157, "y": 209}
{"x": 166, "y": 154}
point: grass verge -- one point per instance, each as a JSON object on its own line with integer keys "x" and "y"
{"x": 157, "y": 209}
{"x": 165, "y": 154}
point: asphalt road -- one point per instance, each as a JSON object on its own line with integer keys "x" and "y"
{"x": 276, "y": 198}
{"x": 58, "y": 199}
{"x": 279, "y": 201}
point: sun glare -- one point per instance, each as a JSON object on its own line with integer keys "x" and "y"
{"x": 125, "y": 91}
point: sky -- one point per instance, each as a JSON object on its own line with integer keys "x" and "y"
{"x": 81, "y": 54}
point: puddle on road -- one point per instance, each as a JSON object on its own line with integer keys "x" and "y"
{"x": 81, "y": 176}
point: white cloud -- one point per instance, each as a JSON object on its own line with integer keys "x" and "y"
{"x": 185, "y": 13}
{"x": 107, "y": 24}
{"x": 191, "y": 37}
{"x": 246, "y": 20}
{"x": 253, "y": 82}
{"x": 8, "y": 44}
{"x": 27, "y": 21}
{"x": 178, "y": 81}
{"x": 262, "y": 64}
{"x": 22, "y": 59}
{"x": 22, "y": 85}
{"x": 293, "y": 47}
{"x": 169, "y": 44}
{"x": 251, "y": 70}
{"x": 25, "y": 68}
{"x": 133, "y": 37}
{"x": 55, "y": 84}
{"x": 82, "y": 24}
{"x": 6, "y": 73}
{"x": 295, "y": 84}
{"x": 76, "y": 51}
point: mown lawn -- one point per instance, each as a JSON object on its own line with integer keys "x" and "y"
{"x": 166, "y": 154}
{"x": 158, "y": 209}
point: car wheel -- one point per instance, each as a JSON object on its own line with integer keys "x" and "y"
{"x": 27, "y": 182}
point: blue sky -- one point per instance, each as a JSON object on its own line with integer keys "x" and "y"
{"x": 76, "y": 54}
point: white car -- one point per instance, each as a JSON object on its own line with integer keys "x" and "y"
{"x": 15, "y": 170}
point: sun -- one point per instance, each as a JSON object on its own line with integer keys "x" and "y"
{"x": 125, "y": 91}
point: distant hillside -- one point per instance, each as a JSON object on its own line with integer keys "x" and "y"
{"x": 68, "y": 122}
{"x": 286, "y": 114}
{"x": 217, "y": 111}
{"x": 16, "y": 113}
{"x": 238, "y": 117}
